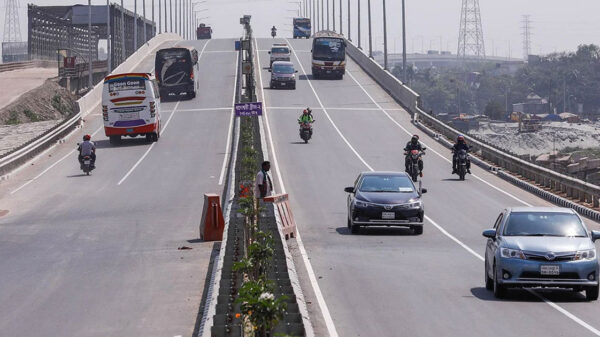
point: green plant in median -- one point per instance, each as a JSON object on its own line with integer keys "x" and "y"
{"x": 260, "y": 307}
{"x": 33, "y": 117}
{"x": 13, "y": 118}
{"x": 260, "y": 254}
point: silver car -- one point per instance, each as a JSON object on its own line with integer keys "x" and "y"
{"x": 541, "y": 247}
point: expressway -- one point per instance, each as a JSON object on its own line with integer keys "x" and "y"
{"x": 388, "y": 282}
{"x": 98, "y": 255}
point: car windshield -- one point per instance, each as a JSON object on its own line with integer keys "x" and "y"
{"x": 279, "y": 50}
{"x": 283, "y": 68}
{"x": 386, "y": 183}
{"x": 544, "y": 224}
{"x": 329, "y": 49}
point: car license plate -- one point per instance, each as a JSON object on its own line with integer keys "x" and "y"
{"x": 283, "y": 84}
{"x": 130, "y": 116}
{"x": 388, "y": 215}
{"x": 550, "y": 269}
{"x": 86, "y": 162}
{"x": 329, "y": 71}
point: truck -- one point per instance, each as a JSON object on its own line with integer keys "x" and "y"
{"x": 302, "y": 28}
{"x": 328, "y": 54}
{"x": 203, "y": 32}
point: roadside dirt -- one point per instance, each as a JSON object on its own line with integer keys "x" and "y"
{"x": 47, "y": 102}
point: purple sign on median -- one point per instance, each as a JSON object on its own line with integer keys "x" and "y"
{"x": 248, "y": 109}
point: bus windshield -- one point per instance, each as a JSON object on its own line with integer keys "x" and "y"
{"x": 329, "y": 49}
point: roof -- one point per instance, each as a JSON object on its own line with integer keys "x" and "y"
{"x": 391, "y": 173}
{"x": 540, "y": 209}
{"x": 327, "y": 33}
{"x": 146, "y": 76}
{"x": 280, "y": 44}
{"x": 284, "y": 63}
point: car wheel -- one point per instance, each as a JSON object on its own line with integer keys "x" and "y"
{"x": 499, "y": 290}
{"x": 489, "y": 282}
{"x": 418, "y": 230}
{"x": 353, "y": 228}
{"x": 591, "y": 293}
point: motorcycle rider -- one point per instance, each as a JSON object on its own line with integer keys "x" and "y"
{"x": 87, "y": 148}
{"x": 273, "y": 31}
{"x": 413, "y": 144}
{"x": 306, "y": 118}
{"x": 460, "y": 145}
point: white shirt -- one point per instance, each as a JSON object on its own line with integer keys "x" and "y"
{"x": 260, "y": 180}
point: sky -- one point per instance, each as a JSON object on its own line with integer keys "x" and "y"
{"x": 557, "y": 25}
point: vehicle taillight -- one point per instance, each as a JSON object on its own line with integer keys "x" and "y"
{"x": 141, "y": 92}
{"x": 152, "y": 109}
{"x": 192, "y": 76}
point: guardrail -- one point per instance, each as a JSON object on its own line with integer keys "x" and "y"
{"x": 82, "y": 68}
{"x": 26, "y": 64}
{"x": 85, "y": 104}
{"x": 574, "y": 188}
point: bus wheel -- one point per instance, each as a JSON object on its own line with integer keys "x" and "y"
{"x": 154, "y": 137}
{"x": 114, "y": 139}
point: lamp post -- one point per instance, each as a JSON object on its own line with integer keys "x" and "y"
{"x": 90, "y": 80}
{"x": 123, "y": 47}
{"x": 385, "y": 53}
{"x": 349, "y": 20}
{"x": 135, "y": 24}
{"x": 404, "y": 78}
{"x": 370, "y": 36}
{"x": 144, "y": 19}
{"x": 108, "y": 38}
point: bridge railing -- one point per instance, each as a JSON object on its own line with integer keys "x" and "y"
{"x": 26, "y": 64}
{"x": 572, "y": 187}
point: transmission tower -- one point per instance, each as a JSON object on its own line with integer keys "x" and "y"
{"x": 526, "y": 36}
{"x": 12, "y": 29}
{"x": 470, "y": 36}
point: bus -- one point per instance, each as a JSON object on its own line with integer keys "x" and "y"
{"x": 174, "y": 71}
{"x": 301, "y": 28}
{"x": 203, "y": 32}
{"x": 328, "y": 54}
{"x": 131, "y": 107}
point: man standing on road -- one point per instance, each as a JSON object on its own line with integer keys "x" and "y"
{"x": 263, "y": 185}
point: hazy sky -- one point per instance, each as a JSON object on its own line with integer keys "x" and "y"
{"x": 557, "y": 25}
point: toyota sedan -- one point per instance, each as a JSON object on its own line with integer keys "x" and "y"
{"x": 541, "y": 247}
{"x": 385, "y": 199}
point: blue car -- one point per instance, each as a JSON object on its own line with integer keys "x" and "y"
{"x": 541, "y": 247}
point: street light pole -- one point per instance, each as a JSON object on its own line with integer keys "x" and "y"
{"x": 322, "y": 14}
{"x": 405, "y": 79}
{"x": 385, "y": 54}
{"x": 333, "y": 14}
{"x": 144, "y": 20}
{"x": 341, "y": 24}
{"x": 108, "y": 37}
{"x": 349, "y": 20}
{"x": 327, "y": 14}
{"x": 170, "y": 15}
{"x": 175, "y": 17}
{"x": 123, "y": 46}
{"x": 90, "y": 80}
{"x": 370, "y": 36}
{"x": 135, "y": 26}
{"x": 359, "y": 47}
{"x": 153, "y": 33}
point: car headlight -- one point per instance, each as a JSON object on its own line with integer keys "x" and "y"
{"x": 413, "y": 204}
{"x": 589, "y": 254}
{"x": 359, "y": 203}
{"x": 512, "y": 253}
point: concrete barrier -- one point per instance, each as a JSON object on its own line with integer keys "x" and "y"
{"x": 85, "y": 105}
{"x": 574, "y": 188}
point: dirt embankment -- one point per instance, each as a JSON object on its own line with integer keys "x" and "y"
{"x": 47, "y": 102}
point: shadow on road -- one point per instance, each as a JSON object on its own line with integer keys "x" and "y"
{"x": 522, "y": 295}
{"x": 77, "y": 175}
{"x": 453, "y": 179}
{"x": 298, "y": 143}
{"x": 377, "y": 231}
{"x": 125, "y": 142}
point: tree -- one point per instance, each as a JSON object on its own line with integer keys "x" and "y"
{"x": 494, "y": 110}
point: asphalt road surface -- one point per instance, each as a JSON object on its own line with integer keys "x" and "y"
{"x": 386, "y": 281}
{"x": 98, "y": 255}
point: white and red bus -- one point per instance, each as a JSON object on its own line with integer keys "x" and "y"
{"x": 131, "y": 106}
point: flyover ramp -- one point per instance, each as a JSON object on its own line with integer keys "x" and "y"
{"x": 385, "y": 281}
{"x": 85, "y": 256}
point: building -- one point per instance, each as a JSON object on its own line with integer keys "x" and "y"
{"x": 534, "y": 105}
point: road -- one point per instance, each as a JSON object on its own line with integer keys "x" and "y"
{"x": 98, "y": 255}
{"x": 387, "y": 282}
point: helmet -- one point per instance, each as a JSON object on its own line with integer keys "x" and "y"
{"x": 460, "y": 138}
{"x": 414, "y": 139}
{"x": 87, "y": 137}
{"x": 305, "y": 111}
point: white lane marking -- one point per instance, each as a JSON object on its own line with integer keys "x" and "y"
{"x": 51, "y": 166}
{"x": 298, "y": 51}
{"x": 325, "y": 110}
{"x": 431, "y": 149}
{"x": 231, "y": 119}
{"x": 309, "y": 269}
{"x": 221, "y": 51}
{"x": 162, "y": 132}
{"x": 202, "y": 109}
{"x": 467, "y": 248}
{"x": 311, "y": 274}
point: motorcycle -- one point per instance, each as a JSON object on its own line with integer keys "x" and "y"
{"x": 413, "y": 163}
{"x": 461, "y": 163}
{"x": 305, "y": 131}
{"x": 273, "y": 32}
{"x": 86, "y": 165}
